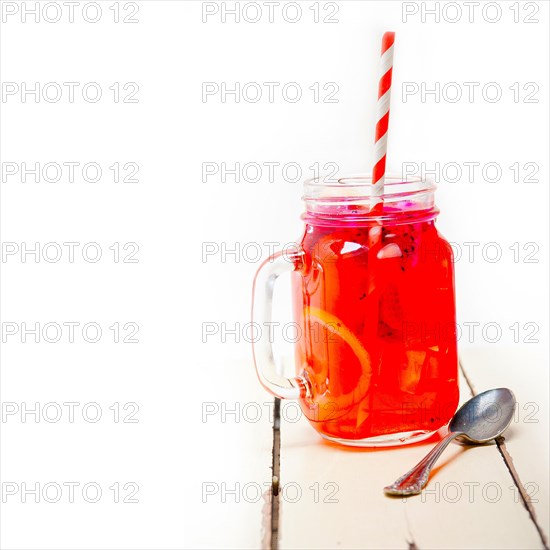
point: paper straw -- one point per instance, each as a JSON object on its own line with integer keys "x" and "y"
{"x": 383, "y": 114}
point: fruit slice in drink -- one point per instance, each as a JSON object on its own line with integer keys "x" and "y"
{"x": 339, "y": 366}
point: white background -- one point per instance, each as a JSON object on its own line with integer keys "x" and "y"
{"x": 171, "y": 212}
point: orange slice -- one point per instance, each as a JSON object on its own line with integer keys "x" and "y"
{"x": 332, "y": 404}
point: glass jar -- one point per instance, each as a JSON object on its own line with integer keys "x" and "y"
{"x": 374, "y": 304}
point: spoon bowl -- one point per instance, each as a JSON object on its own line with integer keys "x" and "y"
{"x": 484, "y": 417}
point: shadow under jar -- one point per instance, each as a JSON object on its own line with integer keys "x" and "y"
{"x": 373, "y": 295}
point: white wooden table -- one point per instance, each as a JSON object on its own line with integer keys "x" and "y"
{"x": 331, "y": 497}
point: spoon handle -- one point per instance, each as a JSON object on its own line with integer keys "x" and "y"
{"x": 414, "y": 480}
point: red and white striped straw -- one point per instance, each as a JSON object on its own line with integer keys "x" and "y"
{"x": 383, "y": 114}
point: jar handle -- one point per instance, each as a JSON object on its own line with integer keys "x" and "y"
{"x": 269, "y": 373}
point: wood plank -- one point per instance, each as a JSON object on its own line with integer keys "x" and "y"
{"x": 186, "y": 468}
{"x": 228, "y": 473}
{"x": 523, "y": 369}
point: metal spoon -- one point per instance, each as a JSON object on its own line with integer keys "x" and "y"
{"x": 480, "y": 420}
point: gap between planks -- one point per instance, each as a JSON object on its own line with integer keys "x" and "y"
{"x": 272, "y": 542}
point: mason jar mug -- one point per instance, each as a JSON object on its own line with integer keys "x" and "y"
{"x": 374, "y": 306}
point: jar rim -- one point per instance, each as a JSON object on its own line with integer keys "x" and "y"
{"x": 354, "y": 200}
{"x": 360, "y": 187}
